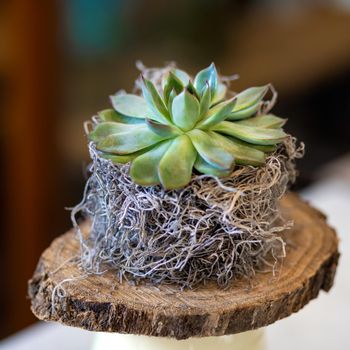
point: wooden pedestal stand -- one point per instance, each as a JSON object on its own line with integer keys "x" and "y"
{"x": 100, "y": 303}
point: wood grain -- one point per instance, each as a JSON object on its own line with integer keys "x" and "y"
{"x": 100, "y": 303}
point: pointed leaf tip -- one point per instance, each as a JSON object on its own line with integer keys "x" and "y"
{"x": 171, "y": 83}
{"x": 248, "y": 102}
{"x": 217, "y": 114}
{"x": 130, "y": 105}
{"x": 192, "y": 90}
{"x": 110, "y": 115}
{"x": 209, "y": 75}
{"x": 205, "y": 101}
{"x": 251, "y": 134}
{"x": 154, "y": 101}
{"x": 182, "y": 75}
{"x": 123, "y": 138}
{"x": 163, "y": 130}
{"x": 269, "y": 121}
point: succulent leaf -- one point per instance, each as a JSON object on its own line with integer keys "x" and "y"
{"x": 144, "y": 169}
{"x": 205, "y": 101}
{"x": 130, "y": 105}
{"x": 220, "y": 93}
{"x": 248, "y": 102}
{"x": 165, "y": 134}
{"x": 209, "y": 75}
{"x": 172, "y": 83}
{"x": 154, "y": 101}
{"x": 255, "y": 135}
{"x": 124, "y": 140}
{"x": 110, "y": 115}
{"x": 243, "y": 154}
{"x": 243, "y": 113}
{"x": 217, "y": 114}
{"x": 210, "y": 150}
{"x": 105, "y": 129}
{"x": 185, "y": 110}
{"x": 203, "y": 167}
{"x": 163, "y": 130}
{"x": 192, "y": 90}
{"x": 182, "y": 75}
{"x": 269, "y": 121}
{"x": 170, "y": 101}
{"x": 119, "y": 159}
{"x": 263, "y": 148}
{"x": 175, "y": 167}
{"x": 122, "y": 159}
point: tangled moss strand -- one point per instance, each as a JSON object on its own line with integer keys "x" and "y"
{"x": 213, "y": 229}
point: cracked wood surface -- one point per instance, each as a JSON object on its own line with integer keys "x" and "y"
{"x": 100, "y": 303}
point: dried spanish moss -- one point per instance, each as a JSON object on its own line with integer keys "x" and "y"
{"x": 214, "y": 229}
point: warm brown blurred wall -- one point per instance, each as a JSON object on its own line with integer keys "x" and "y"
{"x": 30, "y": 73}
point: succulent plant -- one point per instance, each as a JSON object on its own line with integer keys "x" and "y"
{"x": 186, "y": 124}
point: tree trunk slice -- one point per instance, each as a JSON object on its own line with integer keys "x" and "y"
{"x": 100, "y": 303}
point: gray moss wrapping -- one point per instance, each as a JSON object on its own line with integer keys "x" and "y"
{"x": 214, "y": 229}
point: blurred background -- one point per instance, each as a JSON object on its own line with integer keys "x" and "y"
{"x": 60, "y": 60}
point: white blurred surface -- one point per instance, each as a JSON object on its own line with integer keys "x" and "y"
{"x": 324, "y": 324}
{"x": 252, "y": 340}
{"x": 50, "y": 336}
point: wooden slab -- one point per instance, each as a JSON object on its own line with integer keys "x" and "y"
{"x": 100, "y": 303}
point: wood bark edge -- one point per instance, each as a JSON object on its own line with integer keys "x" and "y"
{"x": 78, "y": 310}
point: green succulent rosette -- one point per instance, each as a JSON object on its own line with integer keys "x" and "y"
{"x": 186, "y": 124}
